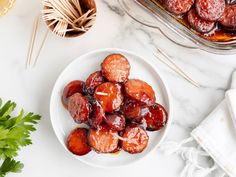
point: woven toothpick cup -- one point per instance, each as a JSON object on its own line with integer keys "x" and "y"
{"x": 86, "y": 5}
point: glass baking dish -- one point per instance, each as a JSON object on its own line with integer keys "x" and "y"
{"x": 157, "y": 17}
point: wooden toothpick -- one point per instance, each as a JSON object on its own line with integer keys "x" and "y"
{"x": 170, "y": 63}
{"x": 67, "y": 16}
{"x": 32, "y": 42}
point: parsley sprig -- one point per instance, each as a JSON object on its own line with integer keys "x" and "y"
{"x": 10, "y": 165}
{"x": 14, "y": 134}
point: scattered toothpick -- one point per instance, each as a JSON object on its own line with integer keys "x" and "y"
{"x": 32, "y": 42}
{"x": 62, "y": 16}
{"x": 170, "y": 63}
{"x": 41, "y": 46}
{"x": 30, "y": 60}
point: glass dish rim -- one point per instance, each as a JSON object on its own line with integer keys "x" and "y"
{"x": 165, "y": 18}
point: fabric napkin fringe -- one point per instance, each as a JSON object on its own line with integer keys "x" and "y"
{"x": 190, "y": 155}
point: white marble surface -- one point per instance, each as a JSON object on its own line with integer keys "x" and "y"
{"x": 31, "y": 89}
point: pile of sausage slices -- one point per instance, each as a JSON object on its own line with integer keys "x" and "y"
{"x": 205, "y": 15}
{"x": 117, "y": 110}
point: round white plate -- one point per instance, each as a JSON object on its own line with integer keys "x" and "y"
{"x": 80, "y": 68}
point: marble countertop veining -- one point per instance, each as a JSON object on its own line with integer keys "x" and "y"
{"x": 31, "y": 88}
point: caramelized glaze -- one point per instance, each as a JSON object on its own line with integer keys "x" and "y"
{"x": 218, "y": 34}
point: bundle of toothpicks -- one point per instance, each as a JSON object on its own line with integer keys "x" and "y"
{"x": 65, "y": 16}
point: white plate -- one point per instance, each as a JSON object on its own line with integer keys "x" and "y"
{"x": 80, "y": 68}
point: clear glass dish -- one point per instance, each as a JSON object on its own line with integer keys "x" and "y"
{"x": 158, "y": 18}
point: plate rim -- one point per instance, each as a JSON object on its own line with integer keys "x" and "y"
{"x": 168, "y": 96}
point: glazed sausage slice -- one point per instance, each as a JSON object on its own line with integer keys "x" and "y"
{"x": 155, "y": 117}
{"x": 95, "y": 79}
{"x": 178, "y": 7}
{"x": 210, "y": 10}
{"x": 97, "y": 115}
{"x": 71, "y": 88}
{"x": 116, "y": 68}
{"x": 115, "y": 121}
{"x": 197, "y": 23}
{"x": 103, "y": 139}
{"x": 140, "y": 91}
{"x": 78, "y": 107}
{"x": 228, "y": 19}
{"x": 132, "y": 110}
{"x": 135, "y": 139}
{"x": 109, "y": 95}
{"x": 77, "y": 142}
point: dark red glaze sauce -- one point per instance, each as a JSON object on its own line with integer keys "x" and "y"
{"x": 95, "y": 79}
{"x": 219, "y": 33}
{"x": 115, "y": 121}
{"x": 109, "y": 95}
{"x": 71, "y": 88}
{"x": 79, "y": 108}
{"x": 103, "y": 139}
{"x": 154, "y": 117}
{"x": 115, "y": 112}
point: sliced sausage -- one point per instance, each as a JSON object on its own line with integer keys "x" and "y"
{"x": 109, "y": 95}
{"x": 78, "y": 107}
{"x": 116, "y": 68}
{"x": 116, "y": 151}
{"x": 77, "y": 142}
{"x": 155, "y": 117}
{"x": 103, "y": 139}
{"x": 97, "y": 115}
{"x": 71, "y": 88}
{"x": 178, "y": 7}
{"x": 95, "y": 79}
{"x": 140, "y": 91}
{"x": 197, "y": 23}
{"x": 132, "y": 110}
{"x": 228, "y": 19}
{"x": 115, "y": 121}
{"x": 210, "y": 10}
{"x": 135, "y": 139}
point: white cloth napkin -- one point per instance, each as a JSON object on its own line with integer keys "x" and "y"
{"x": 230, "y": 98}
{"x": 215, "y": 137}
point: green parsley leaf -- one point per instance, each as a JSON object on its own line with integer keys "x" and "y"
{"x": 10, "y": 165}
{"x": 14, "y": 134}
